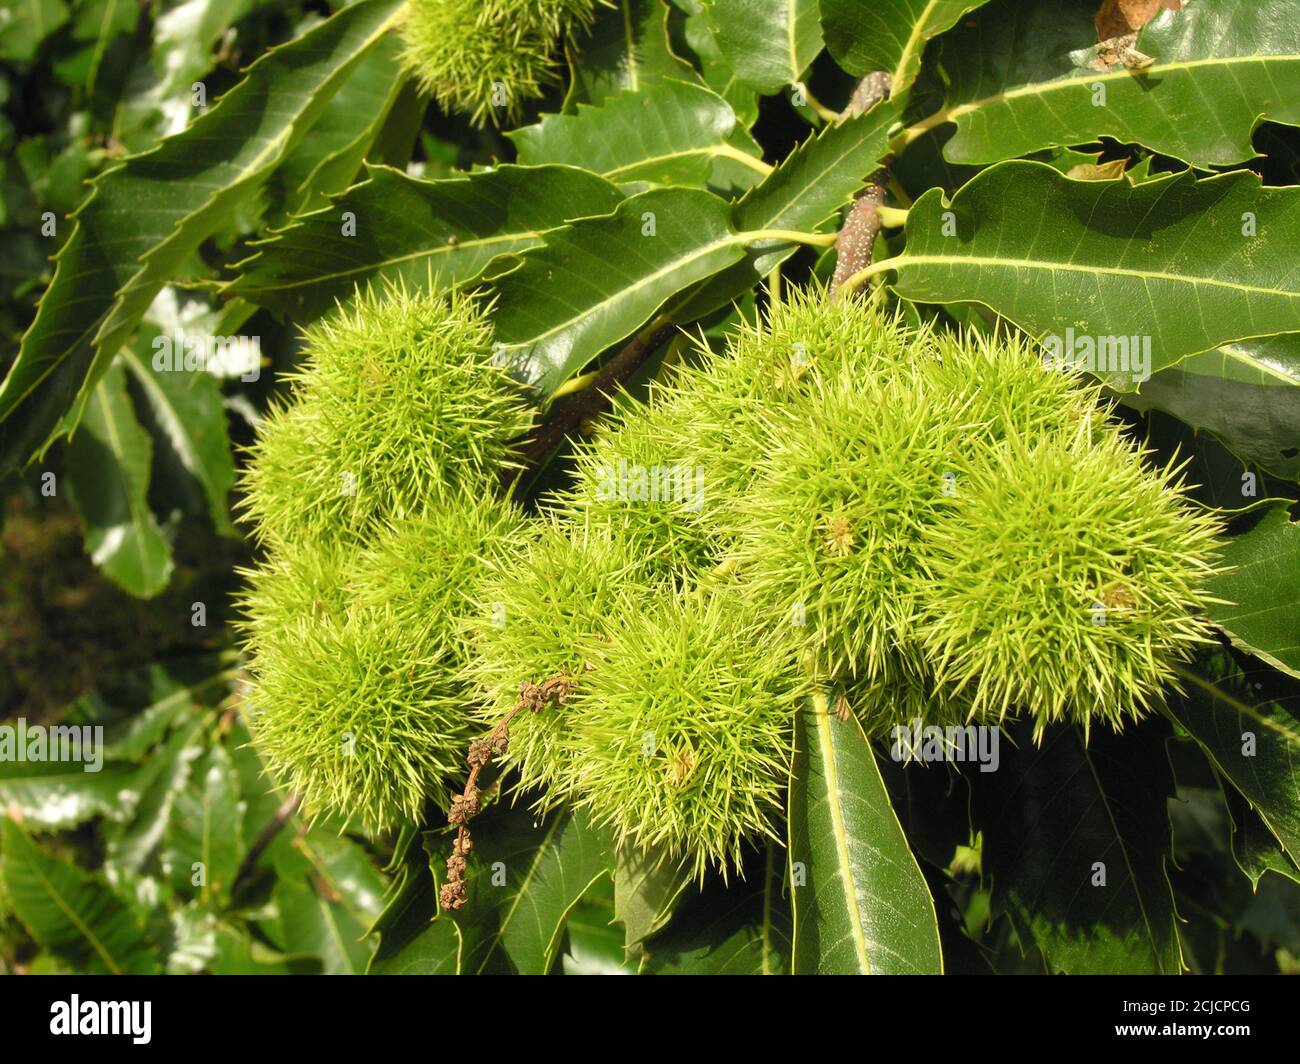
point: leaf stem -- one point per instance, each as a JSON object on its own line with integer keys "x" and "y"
{"x": 284, "y": 811}
{"x": 726, "y": 151}
{"x": 905, "y": 136}
{"x": 817, "y": 240}
{"x": 575, "y": 384}
{"x": 900, "y": 193}
{"x": 867, "y": 272}
{"x": 820, "y": 109}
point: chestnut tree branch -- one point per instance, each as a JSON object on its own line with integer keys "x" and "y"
{"x": 857, "y": 236}
{"x": 569, "y": 413}
{"x": 465, "y": 806}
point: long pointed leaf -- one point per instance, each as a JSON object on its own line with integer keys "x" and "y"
{"x": 146, "y": 216}
{"x": 108, "y": 485}
{"x": 1019, "y": 80}
{"x": 1249, "y": 726}
{"x": 74, "y": 914}
{"x": 1246, "y": 393}
{"x": 627, "y": 48}
{"x": 1261, "y": 613}
{"x": 601, "y": 279}
{"x": 742, "y": 929}
{"x": 526, "y": 880}
{"x": 768, "y": 43}
{"x": 1076, "y": 841}
{"x": 1106, "y": 259}
{"x": 887, "y": 35}
{"x": 669, "y": 133}
{"x": 414, "y": 229}
{"x": 861, "y": 904}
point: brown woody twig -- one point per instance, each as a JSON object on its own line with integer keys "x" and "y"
{"x": 273, "y": 827}
{"x": 465, "y": 806}
{"x": 569, "y": 413}
{"x": 857, "y": 236}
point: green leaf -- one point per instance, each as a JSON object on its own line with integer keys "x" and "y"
{"x": 525, "y": 877}
{"x": 24, "y": 24}
{"x": 933, "y": 805}
{"x": 103, "y": 20}
{"x": 600, "y": 279}
{"x": 742, "y": 929}
{"x": 1213, "y": 476}
{"x": 187, "y": 409}
{"x": 413, "y": 938}
{"x": 1248, "y": 724}
{"x": 646, "y": 889}
{"x": 193, "y": 945}
{"x": 107, "y": 472}
{"x": 55, "y": 795}
{"x": 627, "y": 48}
{"x": 432, "y": 948}
{"x": 821, "y": 175}
{"x": 595, "y": 941}
{"x": 311, "y": 924}
{"x": 165, "y": 701}
{"x": 861, "y": 905}
{"x": 160, "y": 781}
{"x": 183, "y": 51}
{"x": 414, "y": 229}
{"x": 810, "y": 186}
{"x": 1254, "y": 846}
{"x": 329, "y": 897}
{"x": 1247, "y": 394}
{"x": 146, "y": 217}
{"x": 768, "y": 44}
{"x": 327, "y": 161}
{"x": 1107, "y": 259}
{"x": 1019, "y": 80}
{"x": 717, "y": 72}
{"x": 74, "y": 914}
{"x": 1055, "y": 818}
{"x": 669, "y": 133}
{"x": 237, "y": 953}
{"x": 1263, "y": 591}
{"x": 346, "y": 867}
{"x": 887, "y": 35}
{"x": 204, "y": 838}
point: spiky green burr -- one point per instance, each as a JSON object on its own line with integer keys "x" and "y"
{"x": 357, "y": 716}
{"x": 1065, "y": 579}
{"x": 486, "y": 57}
{"x": 357, "y": 658}
{"x": 718, "y": 411}
{"x": 538, "y": 618}
{"x": 668, "y": 474}
{"x": 830, "y": 524}
{"x": 681, "y": 727}
{"x": 399, "y": 400}
{"x": 373, "y": 490}
{"x": 651, "y": 495}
